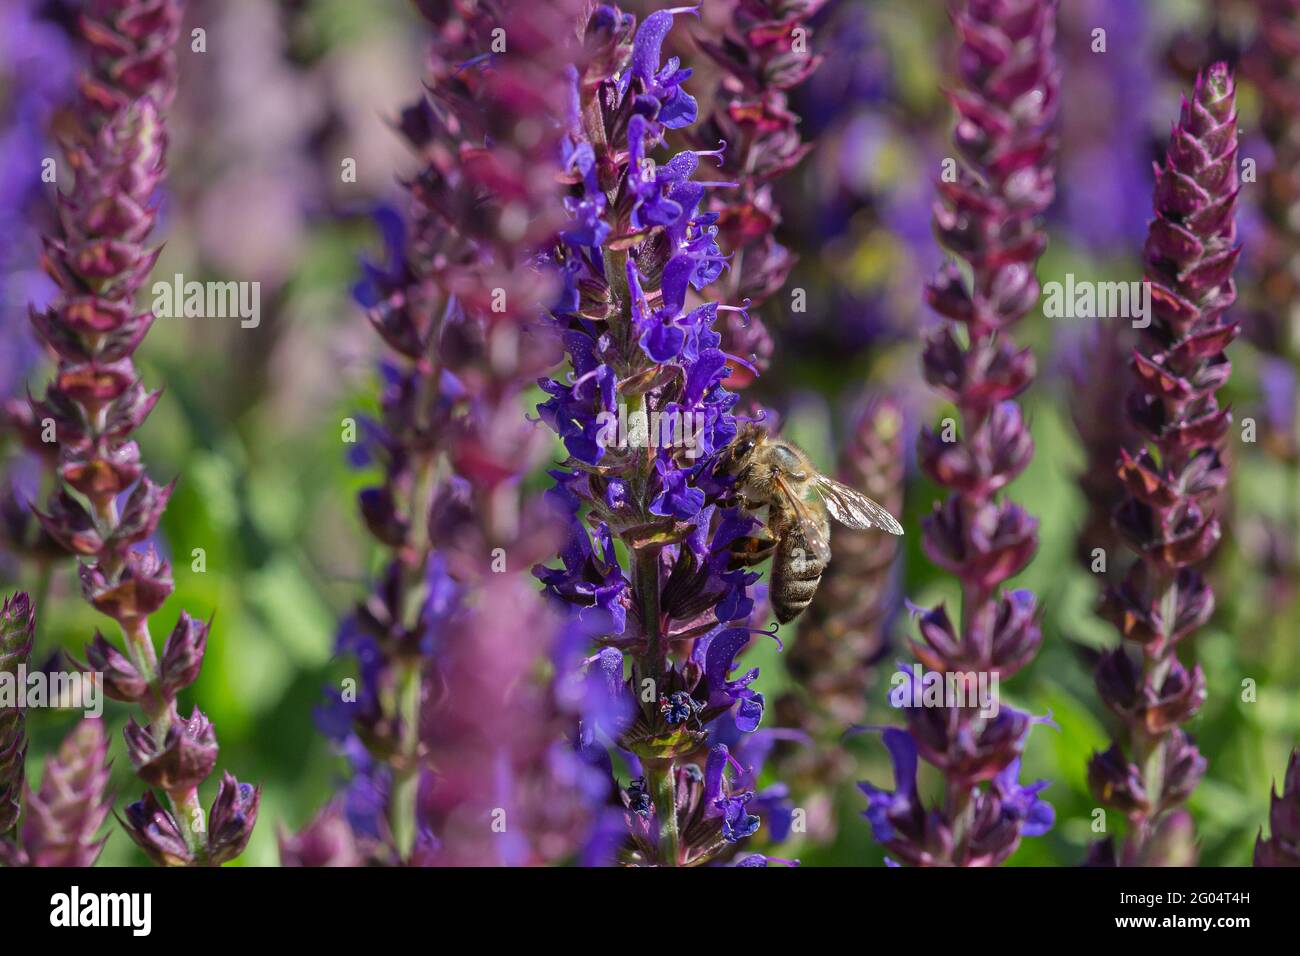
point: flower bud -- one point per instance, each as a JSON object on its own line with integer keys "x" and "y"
{"x": 144, "y": 584}
{"x": 181, "y": 761}
{"x": 121, "y": 679}
{"x": 155, "y": 831}
{"x": 1117, "y": 783}
{"x": 182, "y": 655}
{"x": 230, "y": 824}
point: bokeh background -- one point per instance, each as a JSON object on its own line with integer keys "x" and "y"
{"x": 252, "y": 419}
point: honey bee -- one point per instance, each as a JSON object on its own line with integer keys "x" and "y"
{"x": 773, "y": 473}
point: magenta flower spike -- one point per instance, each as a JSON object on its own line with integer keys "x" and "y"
{"x": 988, "y": 217}
{"x": 669, "y": 614}
{"x": 62, "y": 819}
{"x": 100, "y": 258}
{"x": 433, "y": 749}
{"x": 766, "y": 51}
{"x": 1172, "y": 480}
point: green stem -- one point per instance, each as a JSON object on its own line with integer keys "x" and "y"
{"x": 189, "y": 816}
{"x": 406, "y": 778}
{"x": 960, "y": 809}
{"x": 406, "y": 766}
{"x": 144, "y": 657}
{"x": 651, "y": 663}
{"x": 647, "y": 583}
{"x": 615, "y": 261}
{"x": 661, "y": 775}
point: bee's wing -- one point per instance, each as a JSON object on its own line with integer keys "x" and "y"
{"x": 854, "y": 509}
{"x": 812, "y": 535}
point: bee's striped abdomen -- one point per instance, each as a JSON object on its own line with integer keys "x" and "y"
{"x": 796, "y": 572}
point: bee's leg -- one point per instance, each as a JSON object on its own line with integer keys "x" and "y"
{"x": 752, "y": 549}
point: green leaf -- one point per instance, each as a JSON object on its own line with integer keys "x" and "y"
{"x": 296, "y": 618}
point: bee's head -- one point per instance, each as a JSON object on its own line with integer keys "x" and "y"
{"x": 747, "y": 438}
{"x": 738, "y": 458}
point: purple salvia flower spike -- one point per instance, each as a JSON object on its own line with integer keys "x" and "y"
{"x": 670, "y": 623}
{"x": 99, "y": 259}
{"x": 64, "y": 816}
{"x": 450, "y": 724}
{"x": 1172, "y": 480}
{"x": 989, "y": 216}
{"x": 766, "y": 53}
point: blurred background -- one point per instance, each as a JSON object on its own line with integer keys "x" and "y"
{"x": 252, "y": 418}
